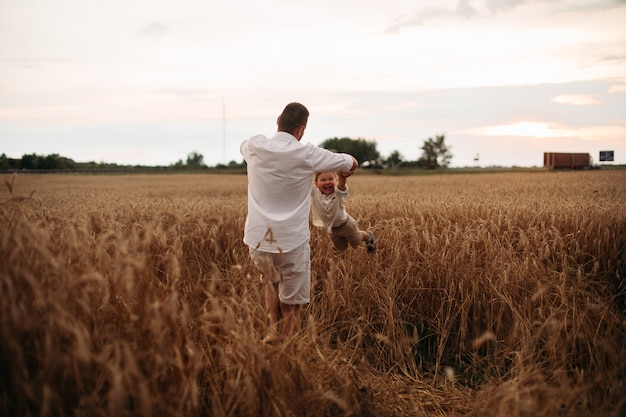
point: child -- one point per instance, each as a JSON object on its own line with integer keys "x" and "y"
{"x": 330, "y": 212}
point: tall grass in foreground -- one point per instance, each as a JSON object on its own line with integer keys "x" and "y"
{"x": 499, "y": 294}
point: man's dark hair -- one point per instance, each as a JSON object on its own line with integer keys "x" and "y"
{"x": 293, "y": 116}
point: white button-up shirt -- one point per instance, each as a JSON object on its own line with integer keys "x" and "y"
{"x": 280, "y": 175}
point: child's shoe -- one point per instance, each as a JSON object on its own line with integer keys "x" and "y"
{"x": 370, "y": 244}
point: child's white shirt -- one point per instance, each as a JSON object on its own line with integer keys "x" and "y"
{"x": 328, "y": 210}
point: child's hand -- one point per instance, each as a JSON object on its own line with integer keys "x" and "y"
{"x": 345, "y": 174}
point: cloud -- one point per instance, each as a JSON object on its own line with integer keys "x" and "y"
{"x": 589, "y": 6}
{"x": 577, "y": 99}
{"x": 31, "y": 62}
{"x": 181, "y": 92}
{"x": 532, "y": 129}
{"x": 417, "y": 19}
{"x": 468, "y": 9}
{"x": 463, "y": 10}
{"x": 522, "y": 129}
{"x": 619, "y": 87}
{"x": 617, "y": 58}
{"x": 496, "y": 6}
{"x": 155, "y": 30}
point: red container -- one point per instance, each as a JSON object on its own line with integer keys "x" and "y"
{"x": 563, "y": 160}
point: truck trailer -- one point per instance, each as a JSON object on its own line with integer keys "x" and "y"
{"x": 566, "y": 160}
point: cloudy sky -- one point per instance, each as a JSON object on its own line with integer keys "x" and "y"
{"x": 150, "y": 81}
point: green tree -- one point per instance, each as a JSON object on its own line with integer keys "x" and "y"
{"x": 29, "y": 161}
{"x": 363, "y": 150}
{"x": 48, "y": 162}
{"x": 435, "y": 153}
{"x": 195, "y": 160}
{"x": 178, "y": 164}
{"x": 395, "y": 159}
{"x": 55, "y": 161}
{"x": 235, "y": 164}
{"x": 4, "y": 162}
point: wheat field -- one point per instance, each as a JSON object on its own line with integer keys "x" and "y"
{"x": 491, "y": 294}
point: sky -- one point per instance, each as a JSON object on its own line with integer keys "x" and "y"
{"x": 147, "y": 82}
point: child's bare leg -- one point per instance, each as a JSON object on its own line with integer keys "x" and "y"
{"x": 365, "y": 236}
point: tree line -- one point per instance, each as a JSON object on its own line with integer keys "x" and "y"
{"x": 56, "y": 162}
{"x": 435, "y": 154}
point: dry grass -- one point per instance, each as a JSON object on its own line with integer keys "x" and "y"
{"x": 490, "y": 294}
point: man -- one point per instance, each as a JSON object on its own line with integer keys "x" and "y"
{"x": 280, "y": 172}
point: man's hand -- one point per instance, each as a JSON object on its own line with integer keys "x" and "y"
{"x": 355, "y": 164}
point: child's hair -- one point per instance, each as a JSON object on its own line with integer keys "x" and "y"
{"x": 317, "y": 174}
